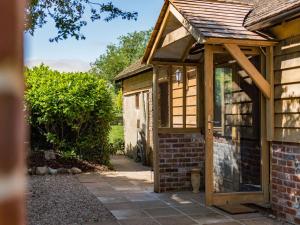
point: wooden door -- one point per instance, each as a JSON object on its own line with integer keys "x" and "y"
{"x": 236, "y": 149}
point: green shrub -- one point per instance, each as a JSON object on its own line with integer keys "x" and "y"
{"x": 71, "y": 111}
{"x": 118, "y": 146}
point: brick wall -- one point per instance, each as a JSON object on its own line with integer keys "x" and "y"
{"x": 178, "y": 154}
{"x": 286, "y": 181}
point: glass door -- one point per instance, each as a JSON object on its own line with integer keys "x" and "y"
{"x": 236, "y": 143}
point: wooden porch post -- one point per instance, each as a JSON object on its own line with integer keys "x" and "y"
{"x": 270, "y": 102}
{"x": 155, "y": 129}
{"x": 12, "y": 128}
{"x": 208, "y": 95}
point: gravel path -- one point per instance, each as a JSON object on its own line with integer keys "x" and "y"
{"x": 62, "y": 200}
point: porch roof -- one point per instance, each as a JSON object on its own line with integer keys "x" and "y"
{"x": 206, "y": 19}
{"x": 132, "y": 70}
{"x": 221, "y": 19}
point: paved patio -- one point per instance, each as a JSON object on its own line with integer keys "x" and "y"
{"x": 128, "y": 194}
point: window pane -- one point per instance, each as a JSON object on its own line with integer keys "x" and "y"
{"x": 163, "y": 98}
{"x": 164, "y": 104}
{"x": 177, "y": 98}
{"x": 237, "y": 144}
{"x": 191, "y": 97}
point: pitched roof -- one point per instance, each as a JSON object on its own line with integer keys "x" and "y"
{"x": 215, "y": 18}
{"x": 132, "y": 70}
{"x": 210, "y": 18}
{"x": 266, "y": 9}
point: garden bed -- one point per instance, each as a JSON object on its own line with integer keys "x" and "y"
{"x": 37, "y": 159}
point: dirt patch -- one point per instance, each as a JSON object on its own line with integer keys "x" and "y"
{"x": 37, "y": 159}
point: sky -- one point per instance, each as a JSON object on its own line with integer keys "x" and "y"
{"x": 72, "y": 55}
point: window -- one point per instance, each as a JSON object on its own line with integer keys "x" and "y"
{"x": 138, "y": 124}
{"x": 178, "y": 97}
{"x": 164, "y": 104}
{"x": 163, "y": 98}
{"x": 191, "y": 97}
{"x": 137, "y": 101}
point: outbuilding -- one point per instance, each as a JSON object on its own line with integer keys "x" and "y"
{"x": 223, "y": 90}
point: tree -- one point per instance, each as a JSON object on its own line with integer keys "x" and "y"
{"x": 69, "y": 15}
{"x": 118, "y": 56}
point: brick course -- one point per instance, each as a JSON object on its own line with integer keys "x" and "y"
{"x": 178, "y": 155}
{"x": 286, "y": 181}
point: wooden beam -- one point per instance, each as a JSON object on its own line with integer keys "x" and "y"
{"x": 193, "y": 31}
{"x": 247, "y": 50}
{"x": 199, "y": 95}
{"x": 171, "y": 94}
{"x": 242, "y": 42}
{"x": 270, "y": 102}
{"x": 158, "y": 37}
{"x": 174, "y": 36}
{"x": 208, "y": 96}
{"x": 12, "y": 118}
{"x": 184, "y": 96}
{"x": 178, "y": 130}
{"x": 174, "y": 63}
{"x": 245, "y": 63}
{"x": 188, "y": 48}
{"x": 155, "y": 130}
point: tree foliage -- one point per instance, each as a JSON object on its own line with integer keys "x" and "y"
{"x": 118, "y": 56}
{"x": 70, "y": 16}
{"x": 70, "y": 111}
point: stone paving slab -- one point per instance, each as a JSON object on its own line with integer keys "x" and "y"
{"x": 128, "y": 194}
{"x": 176, "y": 220}
{"x": 128, "y": 213}
{"x": 162, "y": 212}
{"x": 143, "y": 221}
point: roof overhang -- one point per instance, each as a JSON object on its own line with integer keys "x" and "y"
{"x": 275, "y": 19}
{"x": 169, "y": 8}
{"x": 157, "y": 28}
{"x": 137, "y": 72}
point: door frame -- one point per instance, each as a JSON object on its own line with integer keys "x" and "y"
{"x": 212, "y": 198}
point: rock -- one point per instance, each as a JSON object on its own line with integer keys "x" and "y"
{"x": 49, "y": 155}
{"x": 52, "y": 171}
{"x": 42, "y": 170}
{"x": 62, "y": 171}
{"x": 30, "y": 171}
{"x": 75, "y": 170}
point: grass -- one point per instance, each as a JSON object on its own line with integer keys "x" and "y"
{"x": 117, "y": 132}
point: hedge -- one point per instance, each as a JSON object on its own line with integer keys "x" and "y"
{"x": 69, "y": 112}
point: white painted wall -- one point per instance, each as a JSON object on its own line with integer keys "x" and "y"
{"x": 131, "y": 115}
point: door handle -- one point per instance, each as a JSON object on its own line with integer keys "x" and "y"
{"x": 213, "y": 121}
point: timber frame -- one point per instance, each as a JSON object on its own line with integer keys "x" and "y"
{"x": 267, "y": 123}
{"x": 241, "y": 50}
{"x": 246, "y": 143}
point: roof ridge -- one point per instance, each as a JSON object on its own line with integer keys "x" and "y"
{"x": 240, "y": 2}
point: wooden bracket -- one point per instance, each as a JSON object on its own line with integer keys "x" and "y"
{"x": 160, "y": 32}
{"x": 245, "y": 63}
{"x": 187, "y": 50}
{"x": 174, "y": 36}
